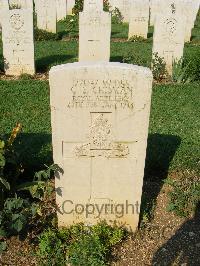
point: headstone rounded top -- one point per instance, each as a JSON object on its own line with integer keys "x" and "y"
{"x": 102, "y": 65}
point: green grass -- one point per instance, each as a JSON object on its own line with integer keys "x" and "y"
{"x": 174, "y": 123}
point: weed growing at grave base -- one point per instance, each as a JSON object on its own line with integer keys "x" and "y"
{"x": 184, "y": 195}
{"x": 158, "y": 67}
{"x": 79, "y": 244}
{"x": 136, "y": 39}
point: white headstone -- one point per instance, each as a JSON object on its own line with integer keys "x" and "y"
{"x": 70, "y": 5}
{"x": 61, "y": 7}
{"x": 46, "y": 15}
{"x": 18, "y": 43}
{"x": 94, "y": 34}
{"x": 156, "y": 6}
{"x": 189, "y": 9}
{"x": 3, "y": 6}
{"x": 168, "y": 39}
{"x": 139, "y": 18}
{"x": 100, "y": 116}
{"x": 124, "y": 7}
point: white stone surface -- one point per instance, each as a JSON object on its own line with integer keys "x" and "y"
{"x": 94, "y": 35}
{"x": 139, "y": 18}
{"x": 46, "y": 15}
{"x": 100, "y": 116}
{"x": 168, "y": 39}
{"x": 3, "y": 6}
{"x": 61, "y": 7}
{"x": 93, "y": 5}
{"x": 70, "y": 5}
{"x": 189, "y": 9}
{"x": 18, "y": 44}
{"x": 21, "y": 3}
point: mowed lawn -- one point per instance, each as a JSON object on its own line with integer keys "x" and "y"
{"x": 175, "y": 113}
{"x": 173, "y": 134}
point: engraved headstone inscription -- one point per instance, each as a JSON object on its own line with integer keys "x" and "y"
{"x": 100, "y": 116}
{"x": 18, "y": 45}
{"x": 94, "y": 32}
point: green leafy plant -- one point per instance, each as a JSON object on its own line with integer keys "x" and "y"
{"x": 78, "y": 7}
{"x": 14, "y": 216}
{"x": 179, "y": 72}
{"x": 184, "y": 195}
{"x": 42, "y": 35}
{"x": 10, "y": 169}
{"x": 3, "y": 246}
{"x": 79, "y": 244}
{"x": 158, "y": 67}
{"x": 117, "y": 17}
{"x": 72, "y": 24}
{"x": 41, "y": 186}
{"x": 136, "y": 39}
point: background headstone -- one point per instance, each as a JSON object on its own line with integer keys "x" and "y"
{"x": 3, "y": 6}
{"x": 18, "y": 44}
{"x": 46, "y": 15}
{"x": 70, "y": 5}
{"x": 168, "y": 38}
{"x": 139, "y": 18}
{"x": 61, "y": 7}
{"x": 100, "y": 116}
{"x": 94, "y": 34}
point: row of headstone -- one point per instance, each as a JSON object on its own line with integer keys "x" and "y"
{"x": 50, "y": 11}
{"x": 139, "y": 14}
{"x": 94, "y": 33}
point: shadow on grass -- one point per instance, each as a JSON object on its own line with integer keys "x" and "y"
{"x": 160, "y": 152}
{"x": 34, "y": 151}
{"x": 43, "y": 64}
{"x": 183, "y": 246}
{"x": 116, "y": 59}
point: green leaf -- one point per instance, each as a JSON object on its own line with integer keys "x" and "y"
{"x": 2, "y": 144}
{"x": 3, "y": 246}
{"x": 18, "y": 225}
{"x": 29, "y": 185}
{"x": 5, "y": 183}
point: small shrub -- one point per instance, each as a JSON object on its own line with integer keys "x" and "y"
{"x": 179, "y": 72}
{"x": 132, "y": 57}
{"x": 79, "y": 244}
{"x": 117, "y": 17}
{"x": 72, "y": 24}
{"x": 42, "y": 35}
{"x": 14, "y": 217}
{"x": 78, "y": 7}
{"x": 136, "y": 39}
{"x": 158, "y": 67}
